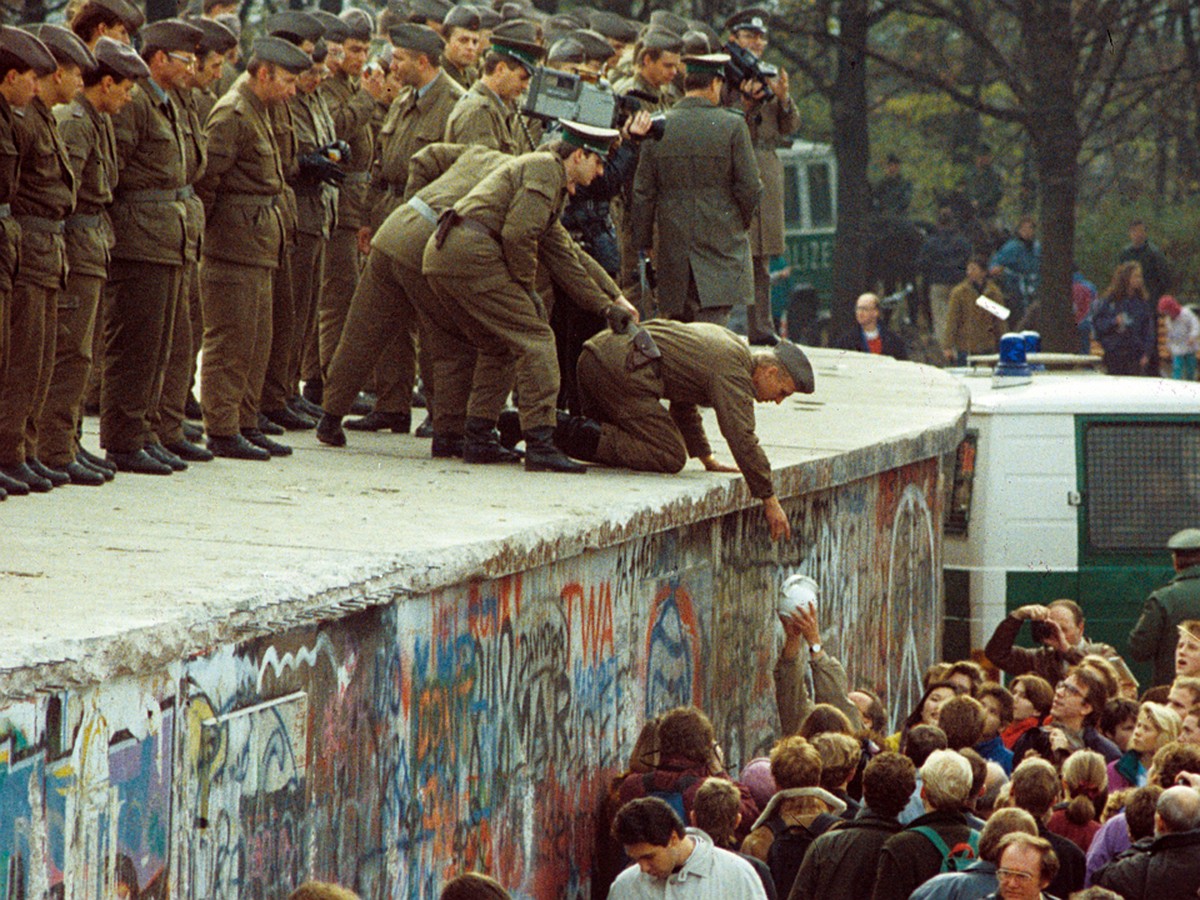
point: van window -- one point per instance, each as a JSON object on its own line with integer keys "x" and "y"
{"x": 820, "y": 195}
{"x": 792, "y": 215}
{"x": 1142, "y": 482}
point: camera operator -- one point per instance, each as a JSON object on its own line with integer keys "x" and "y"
{"x": 772, "y": 118}
{"x": 1057, "y": 627}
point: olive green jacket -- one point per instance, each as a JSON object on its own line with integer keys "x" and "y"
{"x": 1156, "y": 633}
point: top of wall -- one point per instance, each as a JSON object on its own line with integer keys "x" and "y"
{"x": 107, "y": 581}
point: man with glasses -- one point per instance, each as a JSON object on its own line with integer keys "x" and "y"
{"x": 1027, "y": 866}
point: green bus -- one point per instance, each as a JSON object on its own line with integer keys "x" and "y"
{"x": 810, "y": 219}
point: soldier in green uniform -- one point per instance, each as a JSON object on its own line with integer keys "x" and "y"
{"x": 45, "y": 197}
{"x": 116, "y": 19}
{"x": 22, "y": 58}
{"x": 416, "y": 119}
{"x": 243, "y": 244}
{"x": 145, "y": 275}
{"x": 487, "y": 114}
{"x": 1156, "y": 633}
{"x": 484, "y": 259}
{"x": 351, "y": 107}
{"x": 700, "y": 364}
{"x": 699, "y": 188}
{"x": 86, "y": 129}
{"x": 460, "y": 30}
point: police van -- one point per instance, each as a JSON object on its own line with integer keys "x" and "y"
{"x": 1068, "y": 485}
{"x": 809, "y": 222}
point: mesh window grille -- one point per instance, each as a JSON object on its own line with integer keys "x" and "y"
{"x": 1143, "y": 483}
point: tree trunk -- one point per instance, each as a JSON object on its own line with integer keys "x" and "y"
{"x": 851, "y": 146}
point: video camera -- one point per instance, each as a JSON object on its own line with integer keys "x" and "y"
{"x": 555, "y": 95}
{"x": 745, "y": 66}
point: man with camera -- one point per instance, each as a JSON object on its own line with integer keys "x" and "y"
{"x": 698, "y": 189}
{"x": 1058, "y": 628}
{"x": 772, "y": 118}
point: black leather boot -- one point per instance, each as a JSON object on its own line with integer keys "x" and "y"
{"x": 542, "y": 456}
{"x": 578, "y": 437}
{"x": 446, "y": 446}
{"x": 329, "y": 430}
{"x": 481, "y": 444}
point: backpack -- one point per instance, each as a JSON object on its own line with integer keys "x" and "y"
{"x": 956, "y": 858}
{"x": 789, "y": 845}
{"x": 674, "y": 797}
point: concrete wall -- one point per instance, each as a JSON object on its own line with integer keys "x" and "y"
{"x": 410, "y": 736}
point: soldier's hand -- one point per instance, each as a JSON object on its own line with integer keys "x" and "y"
{"x": 374, "y": 82}
{"x": 777, "y": 519}
{"x": 780, "y": 86}
{"x": 364, "y": 240}
{"x": 752, "y": 91}
{"x": 712, "y": 464}
{"x": 639, "y": 125}
{"x": 619, "y": 318}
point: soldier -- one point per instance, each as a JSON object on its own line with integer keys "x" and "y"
{"x": 487, "y": 114}
{"x": 656, "y": 63}
{"x": 351, "y": 107}
{"x": 700, "y": 365}
{"x": 429, "y": 13}
{"x": 771, "y": 122}
{"x": 116, "y": 19}
{"x": 483, "y": 260}
{"x": 22, "y": 58}
{"x": 417, "y": 118}
{"x": 620, "y": 33}
{"x": 45, "y": 196}
{"x": 699, "y": 185}
{"x": 86, "y": 129}
{"x": 243, "y": 245}
{"x": 145, "y": 274}
{"x": 460, "y": 29}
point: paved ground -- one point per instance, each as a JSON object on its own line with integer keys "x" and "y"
{"x": 150, "y": 568}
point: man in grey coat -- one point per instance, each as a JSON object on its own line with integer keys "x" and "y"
{"x": 699, "y": 188}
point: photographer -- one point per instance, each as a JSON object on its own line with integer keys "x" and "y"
{"x": 1057, "y": 627}
{"x": 772, "y": 119}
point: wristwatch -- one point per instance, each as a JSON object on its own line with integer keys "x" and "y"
{"x": 814, "y": 649}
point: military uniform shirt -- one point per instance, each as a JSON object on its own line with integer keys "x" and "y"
{"x": 195, "y": 155}
{"x": 91, "y": 146}
{"x": 352, "y": 109}
{"x": 316, "y": 204}
{"x": 10, "y": 163}
{"x": 45, "y": 189}
{"x": 481, "y": 117}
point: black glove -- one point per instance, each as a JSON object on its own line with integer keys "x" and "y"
{"x": 316, "y": 167}
{"x": 619, "y": 318}
{"x": 336, "y": 151}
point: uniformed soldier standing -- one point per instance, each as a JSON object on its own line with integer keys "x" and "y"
{"x": 243, "y": 244}
{"x": 699, "y": 365}
{"x": 416, "y": 119}
{"x": 771, "y": 122}
{"x": 145, "y": 275}
{"x": 699, "y": 187}
{"x": 87, "y": 131}
{"x": 460, "y": 30}
{"x": 483, "y": 262}
{"x": 486, "y": 114}
{"x": 22, "y": 58}
{"x": 45, "y": 196}
{"x": 116, "y": 19}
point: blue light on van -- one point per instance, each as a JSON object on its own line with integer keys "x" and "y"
{"x": 1012, "y": 362}
{"x": 1033, "y": 344}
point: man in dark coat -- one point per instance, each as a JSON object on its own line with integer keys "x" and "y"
{"x": 1155, "y": 635}
{"x": 871, "y": 334}
{"x": 1171, "y": 866}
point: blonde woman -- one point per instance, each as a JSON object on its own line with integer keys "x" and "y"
{"x": 1157, "y": 725}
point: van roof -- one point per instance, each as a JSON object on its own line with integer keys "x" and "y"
{"x": 1050, "y": 393}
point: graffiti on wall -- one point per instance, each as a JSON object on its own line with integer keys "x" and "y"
{"x": 477, "y": 727}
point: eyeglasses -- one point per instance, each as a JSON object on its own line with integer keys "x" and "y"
{"x": 185, "y": 58}
{"x": 1069, "y": 688}
{"x": 1014, "y": 874}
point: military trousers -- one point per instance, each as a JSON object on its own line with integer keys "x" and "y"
{"x": 26, "y": 375}
{"x": 760, "y": 324}
{"x": 138, "y": 315}
{"x": 237, "y": 344}
{"x": 504, "y": 320}
{"x": 337, "y": 289}
{"x": 276, "y": 386}
{"x": 167, "y": 414}
{"x": 308, "y": 270}
{"x": 76, "y": 327}
{"x": 636, "y": 431}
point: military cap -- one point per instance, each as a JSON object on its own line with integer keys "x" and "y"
{"x": 661, "y": 39}
{"x": 664, "y": 18}
{"x": 66, "y": 48}
{"x": 26, "y": 49}
{"x": 557, "y": 26}
{"x": 282, "y": 53}
{"x": 320, "y": 51}
{"x": 295, "y": 26}
{"x": 566, "y": 50}
{"x": 428, "y": 10}
{"x": 696, "y": 43}
{"x": 521, "y": 30}
{"x": 589, "y": 137}
{"x": 120, "y": 59}
{"x": 1187, "y": 539}
{"x": 232, "y": 22}
{"x": 359, "y": 25}
{"x": 171, "y": 34}
{"x": 613, "y": 26}
{"x": 335, "y": 29}
{"x": 595, "y": 46}
{"x": 714, "y": 39}
{"x": 707, "y": 63}
{"x": 217, "y": 37}
{"x": 512, "y": 10}
{"x": 417, "y": 38}
{"x": 792, "y": 358}
{"x": 526, "y": 53}
{"x": 752, "y": 19}
{"x": 488, "y": 18}
{"x": 128, "y": 14}
{"x": 463, "y": 16}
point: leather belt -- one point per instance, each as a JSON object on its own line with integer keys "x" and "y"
{"x": 247, "y": 199}
{"x": 40, "y": 223}
{"x": 426, "y": 211}
{"x": 80, "y": 221}
{"x": 480, "y": 227}
{"x": 167, "y": 195}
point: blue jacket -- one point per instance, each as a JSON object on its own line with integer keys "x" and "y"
{"x": 977, "y": 880}
{"x": 1138, "y": 337}
{"x": 1021, "y": 263}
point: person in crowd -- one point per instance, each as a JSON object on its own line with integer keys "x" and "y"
{"x": 470, "y": 886}
{"x": 983, "y": 186}
{"x": 1156, "y": 726}
{"x": 1117, "y": 721}
{"x": 924, "y": 713}
{"x": 892, "y": 194}
{"x": 321, "y": 890}
{"x": 941, "y": 261}
{"x": 802, "y": 633}
{"x": 1035, "y": 788}
{"x": 841, "y": 755}
{"x": 1171, "y": 866}
{"x": 997, "y": 703}
{"x": 1078, "y": 700}
{"x": 1059, "y": 631}
{"x": 715, "y": 812}
{"x": 920, "y": 742}
{"x": 1083, "y": 299}
{"x": 966, "y": 675}
{"x": 1183, "y": 337}
{"x": 1187, "y": 650}
{"x": 1085, "y": 785}
{"x": 1028, "y": 866}
{"x": 1189, "y": 732}
{"x": 1032, "y": 698}
{"x": 1184, "y": 694}
{"x": 1154, "y": 264}
{"x": 1124, "y": 323}
{"x": 841, "y": 864}
{"x": 966, "y": 328}
{"x": 1018, "y": 265}
{"x": 1156, "y": 636}
{"x": 663, "y": 850}
{"x": 871, "y": 709}
{"x": 979, "y": 878}
{"x": 871, "y": 334}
